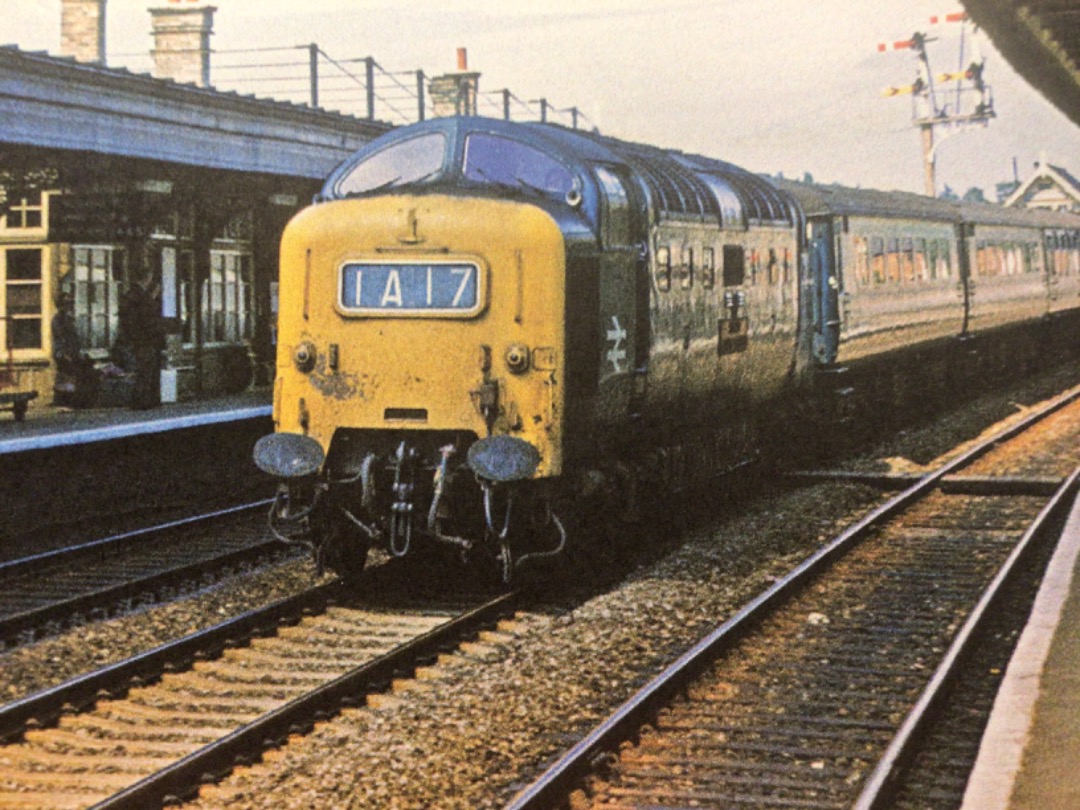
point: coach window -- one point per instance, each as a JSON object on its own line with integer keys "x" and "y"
{"x": 663, "y": 269}
{"x": 98, "y": 271}
{"x": 907, "y": 260}
{"x": 862, "y": 261}
{"x": 708, "y": 268}
{"x": 1012, "y": 260}
{"x": 686, "y": 269}
{"x": 921, "y": 273}
{"x": 774, "y": 267}
{"x": 23, "y": 298}
{"x": 943, "y": 262}
{"x": 877, "y": 259}
{"x": 892, "y": 261}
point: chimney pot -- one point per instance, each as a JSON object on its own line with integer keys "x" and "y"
{"x": 462, "y": 59}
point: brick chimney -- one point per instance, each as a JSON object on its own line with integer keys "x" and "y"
{"x": 82, "y": 30}
{"x": 455, "y": 93}
{"x": 181, "y": 33}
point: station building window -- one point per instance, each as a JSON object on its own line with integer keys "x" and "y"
{"x": 227, "y": 303}
{"x": 26, "y": 212}
{"x": 22, "y": 305}
{"x": 97, "y": 271}
{"x": 178, "y": 290}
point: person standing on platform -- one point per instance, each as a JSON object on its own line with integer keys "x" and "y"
{"x": 76, "y": 379}
{"x": 139, "y": 342}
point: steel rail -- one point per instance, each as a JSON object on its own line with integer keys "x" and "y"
{"x": 551, "y": 788}
{"x": 43, "y": 708}
{"x": 183, "y": 777}
{"x": 880, "y": 785}
{"x": 58, "y": 613}
{"x": 35, "y": 562}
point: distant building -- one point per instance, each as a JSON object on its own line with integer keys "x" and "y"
{"x": 1049, "y": 187}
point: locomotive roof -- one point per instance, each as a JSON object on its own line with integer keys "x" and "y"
{"x": 679, "y": 183}
{"x": 674, "y": 183}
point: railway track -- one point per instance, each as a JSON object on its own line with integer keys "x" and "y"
{"x": 48, "y": 593}
{"x": 819, "y": 693}
{"x": 149, "y": 730}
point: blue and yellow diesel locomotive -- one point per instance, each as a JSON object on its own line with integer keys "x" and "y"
{"x": 484, "y": 323}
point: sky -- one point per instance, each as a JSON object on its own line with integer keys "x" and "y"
{"x": 776, "y": 86}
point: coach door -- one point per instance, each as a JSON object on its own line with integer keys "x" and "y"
{"x": 825, "y": 300}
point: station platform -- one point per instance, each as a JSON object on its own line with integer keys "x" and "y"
{"x": 1030, "y": 751}
{"x": 50, "y": 427}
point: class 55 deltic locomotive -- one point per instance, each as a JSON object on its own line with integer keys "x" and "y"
{"x": 490, "y": 329}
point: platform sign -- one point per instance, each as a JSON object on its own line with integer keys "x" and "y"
{"x": 403, "y": 288}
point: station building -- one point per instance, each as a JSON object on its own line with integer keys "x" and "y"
{"x": 1050, "y": 187}
{"x": 111, "y": 179}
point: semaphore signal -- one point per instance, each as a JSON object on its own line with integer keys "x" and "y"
{"x": 968, "y": 103}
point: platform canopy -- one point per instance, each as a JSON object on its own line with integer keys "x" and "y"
{"x": 57, "y": 103}
{"x": 1041, "y": 40}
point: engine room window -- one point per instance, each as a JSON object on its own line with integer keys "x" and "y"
{"x": 686, "y": 269}
{"x": 708, "y": 268}
{"x": 663, "y": 269}
{"x": 502, "y": 162}
{"x": 398, "y": 164}
{"x": 734, "y": 266}
{"x": 774, "y": 268}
